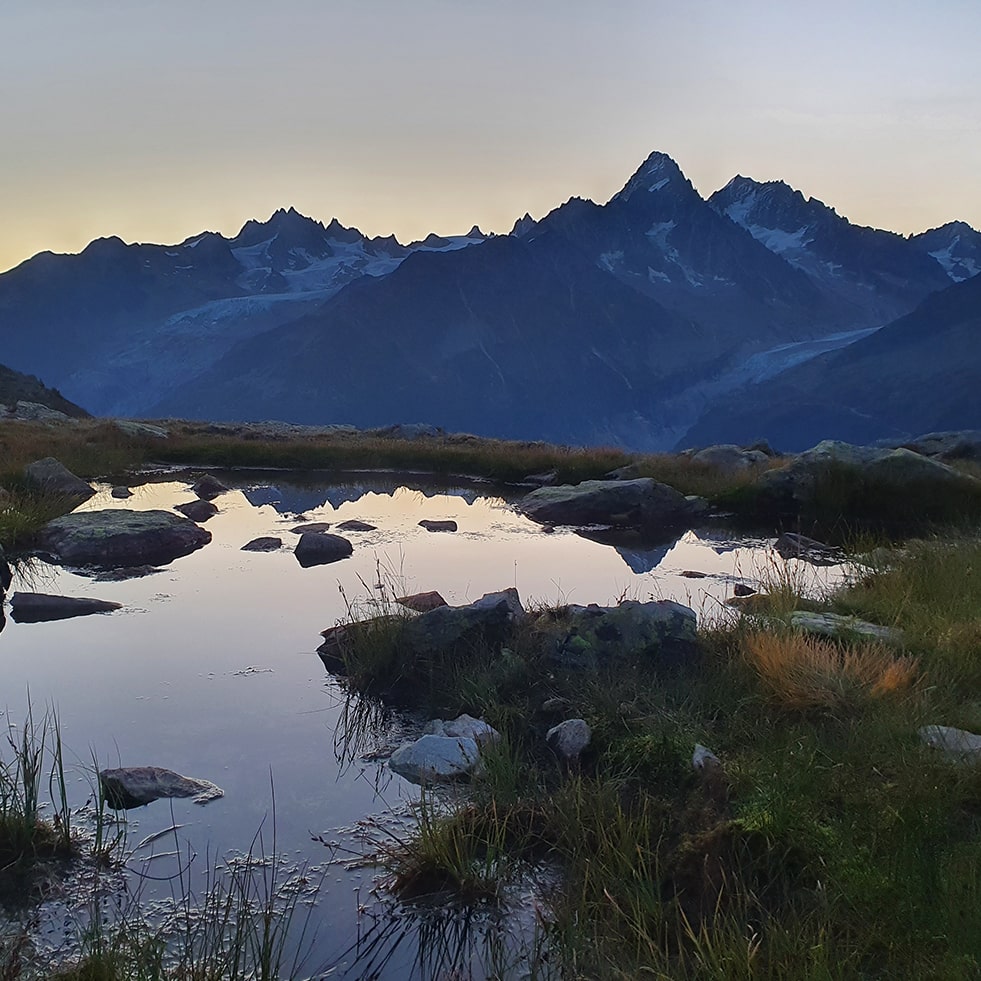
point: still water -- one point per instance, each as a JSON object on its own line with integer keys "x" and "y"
{"x": 210, "y": 669}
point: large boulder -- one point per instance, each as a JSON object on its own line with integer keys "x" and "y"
{"x": 433, "y": 758}
{"x": 663, "y": 631}
{"x": 642, "y": 503}
{"x": 116, "y": 538}
{"x": 54, "y": 478}
{"x": 730, "y": 458}
{"x": 133, "y": 786}
{"x": 40, "y": 607}
{"x": 319, "y": 548}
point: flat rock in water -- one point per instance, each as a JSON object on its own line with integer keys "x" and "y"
{"x": 133, "y": 786}
{"x": 53, "y": 477}
{"x": 199, "y": 511}
{"x": 268, "y": 544}
{"x": 836, "y": 625}
{"x": 126, "y": 572}
{"x": 312, "y": 526}
{"x": 115, "y": 538}
{"x": 448, "y": 525}
{"x": 319, "y": 548}
{"x": 352, "y": 524}
{"x": 41, "y": 607}
{"x": 436, "y": 759}
{"x": 421, "y": 602}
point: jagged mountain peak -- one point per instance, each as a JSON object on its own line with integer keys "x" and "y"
{"x": 657, "y": 174}
{"x": 523, "y": 226}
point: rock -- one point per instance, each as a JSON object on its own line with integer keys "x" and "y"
{"x": 421, "y": 602}
{"x": 467, "y": 726}
{"x": 411, "y": 431}
{"x": 436, "y": 758}
{"x": 964, "y": 444}
{"x": 546, "y": 479}
{"x": 116, "y": 538}
{"x": 661, "y": 631}
{"x": 319, "y": 548}
{"x": 741, "y": 589}
{"x": 121, "y": 493}
{"x": 448, "y": 525}
{"x": 507, "y": 599}
{"x": 311, "y": 526}
{"x": 41, "y": 607}
{"x": 354, "y": 525}
{"x": 448, "y": 626}
{"x": 629, "y": 472}
{"x": 642, "y": 503}
{"x": 555, "y": 704}
{"x": 568, "y": 739}
{"x": 793, "y": 546}
{"x": 208, "y": 487}
{"x": 6, "y": 575}
{"x": 52, "y": 477}
{"x": 269, "y": 544}
{"x": 332, "y": 650}
{"x": 899, "y": 469}
{"x": 35, "y": 412}
{"x": 199, "y": 510}
{"x": 835, "y": 625}
{"x": 730, "y": 458}
{"x": 127, "y": 572}
{"x": 958, "y": 745}
{"x": 141, "y": 429}
{"x": 692, "y": 574}
{"x": 133, "y": 786}
{"x": 703, "y": 759}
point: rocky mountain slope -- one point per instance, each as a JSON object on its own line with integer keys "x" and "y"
{"x": 17, "y": 387}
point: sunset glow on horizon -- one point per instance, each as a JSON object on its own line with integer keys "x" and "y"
{"x": 156, "y": 121}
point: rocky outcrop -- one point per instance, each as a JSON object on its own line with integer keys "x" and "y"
{"x": 119, "y": 538}
{"x": 963, "y": 444}
{"x": 41, "y": 607}
{"x": 54, "y": 478}
{"x": 319, "y": 548}
{"x": 140, "y": 430}
{"x": 643, "y": 503}
{"x": 133, "y": 786}
{"x": 662, "y": 631}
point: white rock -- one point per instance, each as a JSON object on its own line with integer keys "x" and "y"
{"x": 957, "y": 744}
{"x": 704, "y": 759}
{"x": 435, "y": 758}
{"x": 466, "y": 726}
{"x": 568, "y": 739}
{"x": 835, "y": 625}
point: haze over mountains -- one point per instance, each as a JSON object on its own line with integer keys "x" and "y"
{"x": 656, "y": 319}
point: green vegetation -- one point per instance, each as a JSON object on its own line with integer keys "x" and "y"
{"x": 829, "y": 843}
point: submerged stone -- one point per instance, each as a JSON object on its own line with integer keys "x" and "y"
{"x": 447, "y": 525}
{"x": 133, "y": 786}
{"x": 319, "y": 548}
{"x": 268, "y": 544}
{"x": 41, "y": 607}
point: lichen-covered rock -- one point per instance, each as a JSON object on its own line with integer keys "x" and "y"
{"x": 51, "y": 476}
{"x": 663, "y": 631}
{"x": 319, "y": 548}
{"x": 117, "y": 538}
{"x": 434, "y": 758}
{"x": 132, "y": 786}
{"x": 41, "y": 607}
{"x": 642, "y": 503}
{"x": 836, "y": 625}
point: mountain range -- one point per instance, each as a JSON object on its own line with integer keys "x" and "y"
{"x": 654, "y": 320}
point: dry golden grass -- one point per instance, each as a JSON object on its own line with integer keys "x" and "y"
{"x": 804, "y": 672}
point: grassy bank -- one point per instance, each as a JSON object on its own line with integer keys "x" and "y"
{"x": 828, "y": 842}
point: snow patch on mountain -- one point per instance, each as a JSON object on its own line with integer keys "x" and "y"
{"x": 958, "y": 268}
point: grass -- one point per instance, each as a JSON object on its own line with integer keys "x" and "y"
{"x": 830, "y": 844}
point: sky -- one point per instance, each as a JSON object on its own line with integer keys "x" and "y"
{"x": 155, "y": 121}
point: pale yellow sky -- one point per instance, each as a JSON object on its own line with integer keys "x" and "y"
{"x": 155, "y": 120}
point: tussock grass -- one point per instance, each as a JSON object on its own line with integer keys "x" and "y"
{"x": 804, "y": 672}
